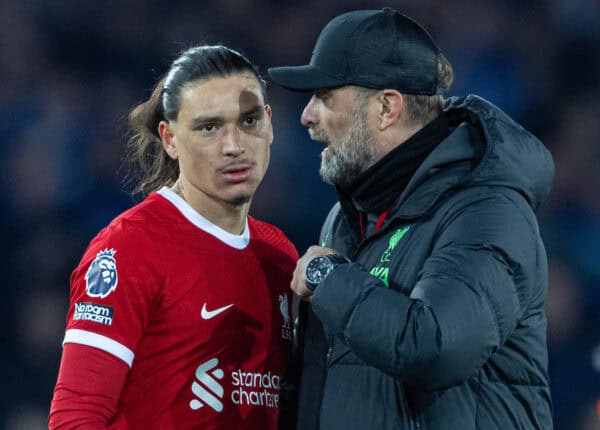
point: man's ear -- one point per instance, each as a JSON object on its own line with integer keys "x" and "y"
{"x": 390, "y": 104}
{"x": 167, "y": 138}
{"x": 269, "y": 113}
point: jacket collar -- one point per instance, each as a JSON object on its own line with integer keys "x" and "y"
{"x": 379, "y": 187}
{"x": 449, "y": 162}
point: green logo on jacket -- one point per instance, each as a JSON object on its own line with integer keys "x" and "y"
{"x": 385, "y": 257}
{"x": 382, "y": 272}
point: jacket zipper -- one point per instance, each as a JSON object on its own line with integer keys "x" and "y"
{"x": 331, "y": 342}
{"x": 417, "y": 424}
{"x": 414, "y": 421}
{"x": 413, "y": 415}
{"x": 327, "y": 359}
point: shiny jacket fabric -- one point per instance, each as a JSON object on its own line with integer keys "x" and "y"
{"x": 438, "y": 322}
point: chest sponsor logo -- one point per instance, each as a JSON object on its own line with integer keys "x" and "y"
{"x": 286, "y": 326}
{"x": 206, "y": 314}
{"x": 102, "y": 278}
{"x": 206, "y": 387}
{"x": 93, "y": 312}
{"x": 248, "y": 388}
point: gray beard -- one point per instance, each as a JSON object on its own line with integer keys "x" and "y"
{"x": 345, "y": 161}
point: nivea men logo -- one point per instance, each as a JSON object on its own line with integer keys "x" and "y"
{"x": 92, "y": 312}
{"x": 101, "y": 278}
{"x": 206, "y": 388}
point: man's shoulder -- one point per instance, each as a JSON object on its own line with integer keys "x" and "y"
{"x": 137, "y": 225}
{"x": 485, "y": 196}
{"x": 265, "y": 232}
{"x": 150, "y": 213}
{"x": 151, "y": 208}
{"x": 263, "y": 228}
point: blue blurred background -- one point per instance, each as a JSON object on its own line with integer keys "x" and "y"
{"x": 71, "y": 70}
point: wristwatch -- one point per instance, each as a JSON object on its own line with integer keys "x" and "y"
{"x": 319, "y": 267}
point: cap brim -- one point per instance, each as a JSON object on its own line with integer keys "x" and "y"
{"x": 303, "y": 78}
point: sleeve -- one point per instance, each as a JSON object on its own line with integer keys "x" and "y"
{"x": 112, "y": 292}
{"x": 464, "y": 305}
{"x": 87, "y": 390}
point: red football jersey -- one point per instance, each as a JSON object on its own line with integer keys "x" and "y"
{"x": 201, "y": 316}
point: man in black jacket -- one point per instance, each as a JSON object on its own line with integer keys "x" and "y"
{"x": 427, "y": 288}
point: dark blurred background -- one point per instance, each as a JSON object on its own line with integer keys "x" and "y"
{"x": 70, "y": 71}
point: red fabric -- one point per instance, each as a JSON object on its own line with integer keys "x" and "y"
{"x": 361, "y": 220}
{"x": 87, "y": 390}
{"x": 202, "y": 317}
{"x": 381, "y": 219}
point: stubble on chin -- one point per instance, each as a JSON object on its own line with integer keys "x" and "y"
{"x": 240, "y": 200}
{"x": 318, "y": 135}
{"x": 343, "y": 163}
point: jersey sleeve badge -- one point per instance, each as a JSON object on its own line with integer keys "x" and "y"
{"x": 101, "y": 278}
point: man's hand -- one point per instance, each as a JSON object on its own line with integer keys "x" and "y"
{"x": 298, "y": 284}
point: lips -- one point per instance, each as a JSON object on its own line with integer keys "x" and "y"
{"x": 318, "y": 135}
{"x": 237, "y": 172}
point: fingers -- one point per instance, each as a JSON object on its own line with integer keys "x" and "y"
{"x": 298, "y": 283}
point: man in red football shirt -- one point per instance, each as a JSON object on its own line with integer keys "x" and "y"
{"x": 180, "y": 314}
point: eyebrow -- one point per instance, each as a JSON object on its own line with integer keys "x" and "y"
{"x": 322, "y": 92}
{"x": 252, "y": 110}
{"x": 200, "y": 120}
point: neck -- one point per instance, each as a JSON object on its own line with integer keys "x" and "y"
{"x": 230, "y": 217}
{"x": 383, "y": 183}
{"x": 400, "y": 136}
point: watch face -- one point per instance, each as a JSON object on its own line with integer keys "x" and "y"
{"x": 317, "y": 269}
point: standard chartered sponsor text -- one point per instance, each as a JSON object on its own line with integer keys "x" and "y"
{"x": 254, "y": 388}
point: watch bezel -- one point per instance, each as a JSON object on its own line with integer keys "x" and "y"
{"x": 332, "y": 260}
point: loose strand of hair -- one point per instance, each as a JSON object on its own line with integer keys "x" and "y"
{"x": 149, "y": 166}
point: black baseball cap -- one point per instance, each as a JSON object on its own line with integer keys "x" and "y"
{"x": 368, "y": 48}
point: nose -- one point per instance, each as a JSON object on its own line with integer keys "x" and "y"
{"x": 232, "y": 142}
{"x": 310, "y": 115}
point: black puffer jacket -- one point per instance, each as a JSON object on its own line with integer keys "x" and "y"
{"x": 438, "y": 322}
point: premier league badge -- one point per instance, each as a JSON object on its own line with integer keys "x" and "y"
{"x": 101, "y": 278}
